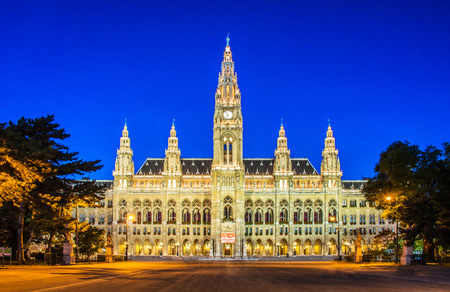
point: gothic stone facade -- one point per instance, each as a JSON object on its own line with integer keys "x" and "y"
{"x": 229, "y": 206}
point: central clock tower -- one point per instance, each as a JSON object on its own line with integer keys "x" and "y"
{"x": 228, "y": 167}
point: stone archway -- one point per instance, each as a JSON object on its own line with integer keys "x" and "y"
{"x": 122, "y": 246}
{"x": 249, "y": 247}
{"x": 186, "y": 248}
{"x": 147, "y": 247}
{"x": 197, "y": 247}
{"x": 283, "y": 247}
{"x": 171, "y": 248}
{"x": 318, "y": 247}
{"x": 332, "y": 249}
{"x": 206, "y": 247}
{"x": 269, "y": 248}
{"x": 308, "y": 248}
{"x": 296, "y": 247}
{"x": 137, "y": 247}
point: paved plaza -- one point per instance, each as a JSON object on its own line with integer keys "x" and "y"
{"x": 225, "y": 276}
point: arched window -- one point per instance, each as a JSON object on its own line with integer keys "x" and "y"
{"x": 147, "y": 216}
{"x": 227, "y": 150}
{"x": 248, "y": 215}
{"x": 269, "y": 216}
{"x": 318, "y": 216}
{"x": 318, "y": 213}
{"x": 297, "y": 216}
{"x": 284, "y": 215}
{"x": 206, "y": 216}
{"x": 228, "y": 208}
{"x": 186, "y": 216}
{"x": 157, "y": 216}
{"x": 258, "y": 216}
{"x": 307, "y": 219}
{"x": 332, "y": 213}
{"x": 171, "y": 216}
{"x": 197, "y": 216}
{"x": 298, "y": 211}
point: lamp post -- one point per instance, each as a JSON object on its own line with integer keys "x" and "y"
{"x": 126, "y": 235}
{"x": 389, "y": 198}
{"x": 295, "y": 248}
{"x": 278, "y": 248}
{"x": 333, "y": 220}
{"x": 76, "y": 230}
{"x": 177, "y": 245}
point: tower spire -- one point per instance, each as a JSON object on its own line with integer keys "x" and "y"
{"x": 228, "y": 40}
{"x": 124, "y": 168}
{"x": 172, "y": 162}
{"x": 282, "y": 153}
{"x": 330, "y": 168}
{"x": 227, "y": 90}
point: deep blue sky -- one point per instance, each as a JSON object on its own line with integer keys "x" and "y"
{"x": 380, "y": 70}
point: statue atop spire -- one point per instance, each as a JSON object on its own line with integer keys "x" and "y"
{"x": 228, "y": 40}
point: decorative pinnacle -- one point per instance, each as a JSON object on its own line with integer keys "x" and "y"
{"x": 125, "y": 122}
{"x": 228, "y": 39}
{"x": 282, "y": 122}
{"x": 329, "y": 125}
{"x": 173, "y": 122}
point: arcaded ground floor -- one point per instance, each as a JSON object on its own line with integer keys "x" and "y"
{"x": 226, "y": 276}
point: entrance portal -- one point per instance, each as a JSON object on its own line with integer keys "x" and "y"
{"x": 228, "y": 249}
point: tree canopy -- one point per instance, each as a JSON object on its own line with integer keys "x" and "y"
{"x": 39, "y": 178}
{"x": 413, "y": 186}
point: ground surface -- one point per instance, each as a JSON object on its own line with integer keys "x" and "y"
{"x": 225, "y": 276}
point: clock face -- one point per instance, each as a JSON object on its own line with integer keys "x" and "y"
{"x": 227, "y": 115}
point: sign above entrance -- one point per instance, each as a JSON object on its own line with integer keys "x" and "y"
{"x": 228, "y": 237}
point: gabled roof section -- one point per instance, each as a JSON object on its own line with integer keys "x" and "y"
{"x": 302, "y": 166}
{"x": 152, "y": 166}
{"x": 258, "y": 166}
{"x": 264, "y": 166}
{"x": 196, "y": 166}
{"x": 202, "y": 166}
{"x": 353, "y": 184}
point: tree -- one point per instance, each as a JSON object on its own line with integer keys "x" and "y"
{"x": 18, "y": 177}
{"x": 45, "y": 171}
{"x": 90, "y": 240}
{"x": 417, "y": 181}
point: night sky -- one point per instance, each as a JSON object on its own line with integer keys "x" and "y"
{"x": 379, "y": 70}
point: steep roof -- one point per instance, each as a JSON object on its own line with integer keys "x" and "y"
{"x": 202, "y": 166}
{"x": 353, "y": 184}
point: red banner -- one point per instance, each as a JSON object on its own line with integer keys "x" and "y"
{"x": 228, "y": 238}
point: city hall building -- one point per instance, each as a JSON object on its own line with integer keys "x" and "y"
{"x": 229, "y": 206}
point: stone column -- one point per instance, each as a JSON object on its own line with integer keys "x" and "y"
{"x": 406, "y": 254}
{"x": 68, "y": 255}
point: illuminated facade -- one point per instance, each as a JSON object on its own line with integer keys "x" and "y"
{"x": 229, "y": 206}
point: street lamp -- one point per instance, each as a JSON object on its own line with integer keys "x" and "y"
{"x": 333, "y": 220}
{"x": 130, "y": 217}
{"x": 177, "y": 245}
{"x": 76, "y": 228}
{"x": 389, "y": 198}
{"x": 278, "y": 248}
